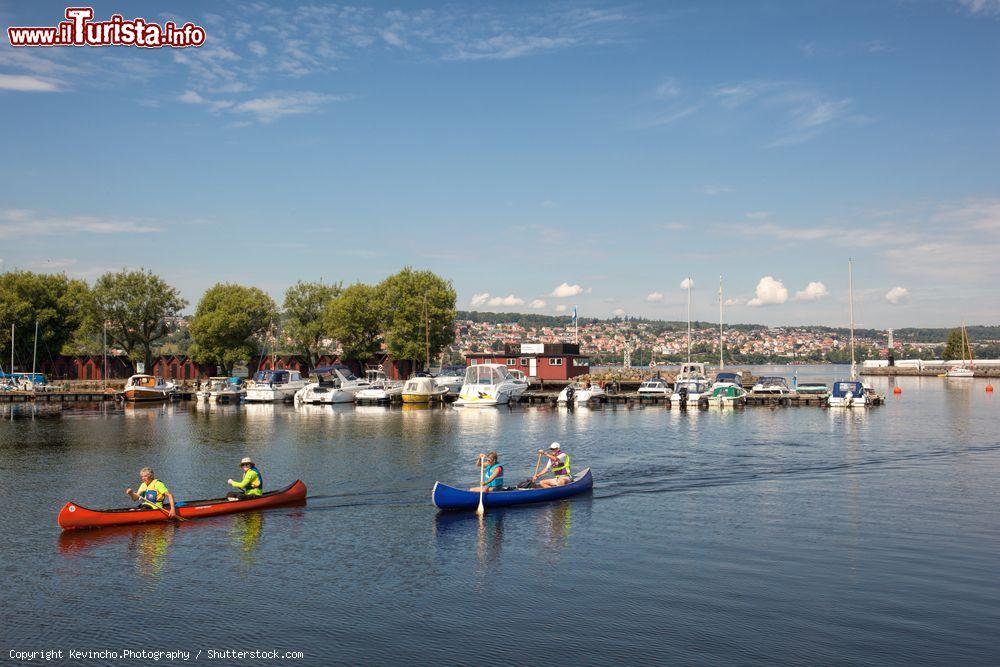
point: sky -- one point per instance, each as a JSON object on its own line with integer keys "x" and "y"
{"x": 540, "y": 155}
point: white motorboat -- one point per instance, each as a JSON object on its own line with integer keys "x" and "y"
{"x": 379, "y": 390}
{"x": 452, "y": 377}
{"x": 487, "y": 385}
{"x": 229, "y": 391}
{"x": 335, "y": 384}
{"x": 727, "y": 389}
{"x": 422, "y": 390}
{"x": 212, "y": 383}
{"x": 689, "y": 391}
{"x": 848, "y": 394}
{"x": 577, "y": 393}
{"x": 520, "y": 379}
{"x": 269, "y": 386}
{"x": 655, "y": 387}
{"x": 772, "y": 385}
{"x": 142, "y": 387}
{"x": 693, "y": 370}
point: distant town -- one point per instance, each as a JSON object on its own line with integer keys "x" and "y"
{"x": 639, "y": 342}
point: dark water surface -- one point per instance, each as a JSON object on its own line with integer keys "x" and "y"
{"x": 759, "y": 536}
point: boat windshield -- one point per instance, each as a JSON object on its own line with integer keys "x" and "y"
{"x": 271, "y": 377}
{"x": 727, "y": 377}
{"x": 841, "y": 389}
{"x": 773, "y": 380}
{"x": 486, "y": 374}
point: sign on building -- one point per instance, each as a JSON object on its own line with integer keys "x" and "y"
{"x": 532, "y": 348}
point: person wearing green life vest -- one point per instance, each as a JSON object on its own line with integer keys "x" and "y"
{"x": 558, "y": 463}
{"x": 252, "y": 484}
{"x": 152, "y": 492}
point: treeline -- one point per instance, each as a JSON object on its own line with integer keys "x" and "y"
{"x": 410, "y": 313}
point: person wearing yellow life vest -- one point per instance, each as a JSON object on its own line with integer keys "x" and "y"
{"x": 252, "y": 484}
{"x": 152, "y": 492}
{"x": 558, "y": 463}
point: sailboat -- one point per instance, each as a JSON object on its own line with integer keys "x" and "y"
{"x": 850, "y": 393}
{"x": 961, "y": 370}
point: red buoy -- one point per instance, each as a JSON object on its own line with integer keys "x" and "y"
{"x": 989, "y": 389}
{"x": 897, "y": 391}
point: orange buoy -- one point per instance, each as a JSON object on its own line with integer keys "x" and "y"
{"x": 897, "y": 391}
{"x": 989, "y": 389}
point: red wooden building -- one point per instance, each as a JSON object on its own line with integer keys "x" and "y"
{"x": 544, "y": 361}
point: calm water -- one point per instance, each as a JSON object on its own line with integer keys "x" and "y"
{"x": 761, "y": 536}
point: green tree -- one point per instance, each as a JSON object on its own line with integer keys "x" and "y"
{"x": 953, "y": 346}
{"x": 56, "y": 302}
{"x": 355, "y": 319}
{"x": 135, "y": 306}
{"x": 228, "y": 324}
{"x": 305, "y": 307}
{"x": 419, "y": 307}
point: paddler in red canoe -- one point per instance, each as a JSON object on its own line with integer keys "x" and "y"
{"x": 151, "y": 492}
{"x": 252, "y": 484}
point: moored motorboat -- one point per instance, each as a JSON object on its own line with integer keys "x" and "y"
{"x": 269, "y": 386}
{"x": 848, "y": 394}
{"x": 450, "y": 498}
{"x": 141, "y": 387}
{"x": 422, "y": 390}
{"x": 335, "y": 384}
{"x": 577, "y": 393}
{"x": 771, "y": 386}
{"x": 488, "y": 385}
{"x": 655, "y": 387}
{"x": 73, "y": 516}
{"x": 452, "y": 377}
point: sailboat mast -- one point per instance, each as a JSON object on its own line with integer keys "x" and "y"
{"x": 34, "y": 355}
{"x": 850, "y": 289}
{"x": 689, "y": 318}
{"x": 105, "y": 374}
{"x": 12, "y": 348}
{"x": 722, "y": 362}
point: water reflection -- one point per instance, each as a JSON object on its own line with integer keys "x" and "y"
{"x": 147, "y": 546}
{"x": 245, "y": 535}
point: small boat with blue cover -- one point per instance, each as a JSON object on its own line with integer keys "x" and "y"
{"x": 449, "y": 498}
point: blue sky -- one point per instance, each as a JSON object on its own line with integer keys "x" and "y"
{"x": 539, "y": 155}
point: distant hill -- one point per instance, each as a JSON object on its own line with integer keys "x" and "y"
{"x": 979, "y": 333}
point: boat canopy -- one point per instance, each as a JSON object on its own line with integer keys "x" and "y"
{"x": 728, "y": 377}
{"x": 487, "y": 374}
{"x": 725, "y": 392}
{"x": 329, "y": 370}
{"x": 694, "y": 386}
{"x": 774, "y": 379}
{"x": 271, "y": 377}
{"x": 841, "y": 389}
{"x": 452, "y": 371}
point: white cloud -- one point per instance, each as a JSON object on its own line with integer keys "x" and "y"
{"x": 813, "y": 292}
{"x": 274, "y": 106}
{"x": 734, "y": 302}
{"x": 17, "y": 223}
{"x": 687, "y": 283}
{"x": 565, "y": 291}
{"x": 537, "y": 303}
{"x": 479, "y": 299}
{"x": 758, "y": 215}
{"x": 668, "y": 88}
{"x": 897, "y": 295}
{"x": 714, "y": 190}
{"x": 769, "y": 292}
{"x": 984, "y": 7}
{"x": 560, "y": 308}
{"x": 509, "y": 300}
{"x": 257, "y": 49}
{"x": 27, "y": 84}
{"x": 619, "y": 312}
{"x": 654, "y": 297}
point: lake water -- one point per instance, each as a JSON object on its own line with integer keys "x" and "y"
{"x": 756, "y": 536}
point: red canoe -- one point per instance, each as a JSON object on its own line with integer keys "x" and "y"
{"x": 77, "y": 516}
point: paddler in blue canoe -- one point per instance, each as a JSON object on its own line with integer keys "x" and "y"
{"x": 558, "y": 464}
{"x": 152, "y": 492}
{"x": 492, "y": 473}
{"x": 252, "y": 484}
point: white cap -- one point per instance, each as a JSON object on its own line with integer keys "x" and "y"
{"x": 554, "y": 445}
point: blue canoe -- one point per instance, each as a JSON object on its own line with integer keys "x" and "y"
{"x": 449, "y": 498}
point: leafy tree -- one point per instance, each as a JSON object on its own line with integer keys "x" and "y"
{"x": 419, "y": 305}
{"x": 227, "y": 324}
{"x": 305, "y": 307}
{"x": 135, "y": 306}
{"x": 953, "y": 346}
{"x": 355, "y": 319}
{"x": 56, "y": 302}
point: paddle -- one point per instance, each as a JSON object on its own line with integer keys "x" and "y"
{"x": 165, "y": 512}
{"x": 537, "y": 463}
{"x": 482, "y": 484}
